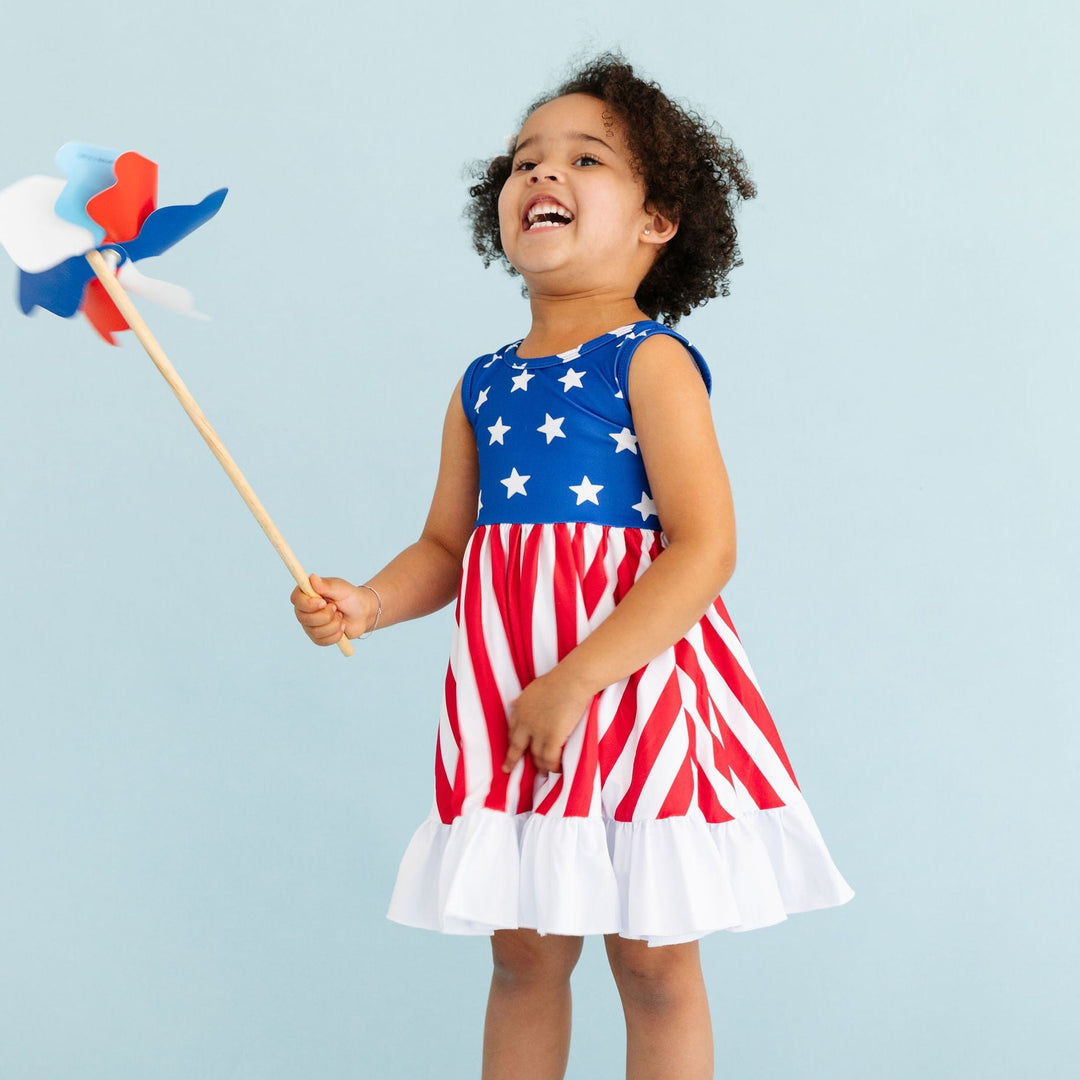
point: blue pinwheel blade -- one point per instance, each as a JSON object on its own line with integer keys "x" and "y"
{"x": 59, "y": 289}
{"x": 169, "y": 225}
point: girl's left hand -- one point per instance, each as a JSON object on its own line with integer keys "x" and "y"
{"x": 541, "y": 720}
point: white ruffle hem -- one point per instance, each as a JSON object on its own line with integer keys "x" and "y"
{"x": 661, "y": 880}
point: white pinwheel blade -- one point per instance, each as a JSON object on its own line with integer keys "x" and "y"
{"x": 34, "y": 237}
{"x": 174, "y": 297}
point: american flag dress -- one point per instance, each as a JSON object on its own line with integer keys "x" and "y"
{"x": 677, "y": 812}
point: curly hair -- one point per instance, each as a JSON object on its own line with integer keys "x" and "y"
{"x": 691, "y": 172}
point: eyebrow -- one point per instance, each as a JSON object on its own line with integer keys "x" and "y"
{"x": 577, "y": 136}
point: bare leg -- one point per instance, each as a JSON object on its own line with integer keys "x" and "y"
{"x": 527, "y": 1031}
{"x": 668, "y": 1028}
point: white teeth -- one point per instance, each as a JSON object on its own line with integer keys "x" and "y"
{"x": 542, "y": 209}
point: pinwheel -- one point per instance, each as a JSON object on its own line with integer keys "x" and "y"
{"x": 76, "y": 241}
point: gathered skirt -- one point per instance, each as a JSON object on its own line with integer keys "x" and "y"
{"x": 676, "y": 813}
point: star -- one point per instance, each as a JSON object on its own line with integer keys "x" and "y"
{"x": 498, "y": 430}
{"x": 570, "y": 354}
{"x": 586, "y": 491}
{"x": 646, "y": 508}
{"x": 482, "y": 398}
{"x": 572, "y": 378}
{"x": 521, "y": 382}
{"x": 515, "y": 483}
{"x": 479, "y": 502}
{"x": 552, "y": 427}
{"x": 625, "y": 440}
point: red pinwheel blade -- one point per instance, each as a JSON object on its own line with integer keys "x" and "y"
{"x": 121, "y": 209}
{"x": 102, "y": 314}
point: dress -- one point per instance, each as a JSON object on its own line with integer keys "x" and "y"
{"x": 677, "y": 812}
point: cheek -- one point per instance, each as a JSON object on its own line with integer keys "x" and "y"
{"x": 507, "y": 206}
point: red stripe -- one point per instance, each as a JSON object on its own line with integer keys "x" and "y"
{"x": 528, "y": 782}
{"x": 722, "y": 611}
{"x": 628, "y": 564}
{"x": 622, "y": 724}
{"x": 708, "y": 801}
{"x": 581, "y": 790}
{"x": 444, "y": 793}
{"x": 501, "y": 574}
{"x": 564, "y": 590}
{"x": 744, "y": 690}
{"x": 524, "y": 588}
{"x": 490, "y": 699}
{"x": 681, "y": 792}
{"x": 457, "y": 794}
{"x": 745, "y": 768}
{"x": 650, "y": 742}
{"x": 594, "y": 582}
{"x": 524, "y": 563}
{"x": 552, "y": 797}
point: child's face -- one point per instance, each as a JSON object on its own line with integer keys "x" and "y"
{"x": 572, "y": 213}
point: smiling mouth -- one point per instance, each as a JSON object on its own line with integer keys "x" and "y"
{"x": 546, "y": 214}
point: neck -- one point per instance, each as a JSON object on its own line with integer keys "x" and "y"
{"x": 561, "y": 323}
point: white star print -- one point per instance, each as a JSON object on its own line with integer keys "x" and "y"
{"x": 552, "y": 427}
{"x": 499, "y": 429}
{"x": 482, "y": 398}
{"x": 479, "y": 502}
{"x": 646, "y": 508}
{"x": 521, "y": 382}
{"x": 625, "y": 440}
{"x": 515, "y": 483}
{"x": 570, "y": 354}
{"x": 572, "y": 378}
{"x": 586, "y": 491}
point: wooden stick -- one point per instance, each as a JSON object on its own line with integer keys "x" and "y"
{"x": 120, "y": 298}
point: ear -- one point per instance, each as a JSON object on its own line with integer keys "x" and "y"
{"x": 657, "y": 228}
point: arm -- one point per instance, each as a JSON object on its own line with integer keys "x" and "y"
{"x": 693, "y": 499}
{"x": 422, "y": 578}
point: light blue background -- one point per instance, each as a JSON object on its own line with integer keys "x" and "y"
{"x": 201, "y": 815}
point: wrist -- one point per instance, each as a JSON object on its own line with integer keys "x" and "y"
{"x": 371, "y": 603}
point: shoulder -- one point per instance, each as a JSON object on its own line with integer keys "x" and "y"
{"x": 657, "y": 351}
{"x": 470, "y": 381}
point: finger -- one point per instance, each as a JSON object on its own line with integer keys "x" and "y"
{"x": 303, "y": 602}
{"x": 547, "y": 758}
{"x": 326, "y": 635}
{"x": 313, "y": 619}
{"x": 519, "y": 742}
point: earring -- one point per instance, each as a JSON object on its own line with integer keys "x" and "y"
{"x": 647, "y": 230}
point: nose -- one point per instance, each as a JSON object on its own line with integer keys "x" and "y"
{"x": 535, "y": 177}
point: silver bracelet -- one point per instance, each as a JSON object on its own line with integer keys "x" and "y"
{"x": 374, "y": 625}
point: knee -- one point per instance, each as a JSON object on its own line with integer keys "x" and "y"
{"x": 524, "y": 957}
{"x": 657, "y": 979}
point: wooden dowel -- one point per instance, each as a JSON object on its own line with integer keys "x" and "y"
{"x": 120, "y": 298}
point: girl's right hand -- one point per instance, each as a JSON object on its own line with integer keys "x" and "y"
{"x": 340, "y": 608}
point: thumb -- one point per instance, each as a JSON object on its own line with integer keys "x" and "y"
{"x": 329, "y": 588}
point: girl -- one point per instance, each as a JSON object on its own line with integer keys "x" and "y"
{"x": 605, "y": 763}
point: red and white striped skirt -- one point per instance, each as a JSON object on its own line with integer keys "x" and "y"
{"x": 677, "y": 812}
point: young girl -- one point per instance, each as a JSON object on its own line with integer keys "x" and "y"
{"x": 605, "y": 762}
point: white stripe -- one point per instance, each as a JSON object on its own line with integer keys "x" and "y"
{"x": 705, "y": 751}
{"x": 664, "y": 771}
{"x": 733, "y": 644}
{"x": 652, "y": 682}
{"x": 742, "y": 725}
